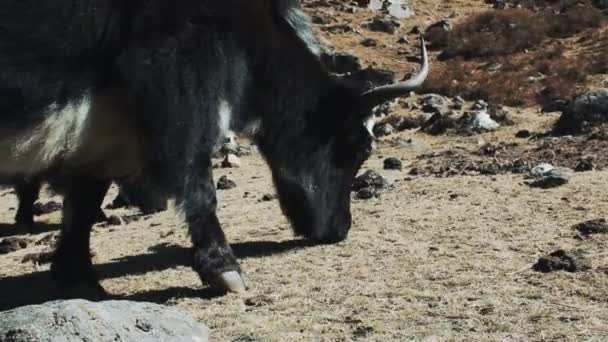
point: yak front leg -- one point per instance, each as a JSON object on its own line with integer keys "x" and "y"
{"x": 213, "y": 258}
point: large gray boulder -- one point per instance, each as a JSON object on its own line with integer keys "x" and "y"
{"x": 584, "y": 111}
{"x": 81, "y": 320}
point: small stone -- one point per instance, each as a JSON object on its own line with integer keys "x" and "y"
{"x": 231, "y": 161}
{"x": 383, "y": 130}
{"x": 269, "y": 197}
{"x": 114, "y": 220}
{"x": 403, "y": 40}
{"x": 393, "y": 164}
{"x": 38, "y": 258}
{"x": 369, "y": 42}
{"x": 225, "y": 184}
{"x": 12, "y": 244}
{"x": 546, "y": 176}
{"x": 561, "y": 260}
{"x": 369, "y": 179}
{"x": 46, "y": 208}
{"x": 379, "y": 24}
{"x": 585, "y": 164}
{"x": 591, "y": 227}
{"x": 366, "y": 193}
{"x": 523, "y": 134}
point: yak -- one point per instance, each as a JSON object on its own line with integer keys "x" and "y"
{"x": 108, "y": 89}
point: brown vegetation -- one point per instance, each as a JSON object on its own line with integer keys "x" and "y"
{"x": 515, "y": 57}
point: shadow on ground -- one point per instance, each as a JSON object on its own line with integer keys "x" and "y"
{"x": 17, "y": 229}
{"x": 37, "y": 287}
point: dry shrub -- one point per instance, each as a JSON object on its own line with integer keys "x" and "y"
{"x": 516, "y": 80}
{"x": 496, "y": 33}
{"x": 494, "y": 56}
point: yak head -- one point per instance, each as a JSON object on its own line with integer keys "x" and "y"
{"x": 317, "y": 156}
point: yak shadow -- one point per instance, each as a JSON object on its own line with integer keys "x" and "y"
{"x": 37, "y": 287}
{"x": 12, "y": 229}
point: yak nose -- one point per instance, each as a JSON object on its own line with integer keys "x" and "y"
{"x": 337, "y": 230}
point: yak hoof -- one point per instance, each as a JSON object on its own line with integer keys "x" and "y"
{"x": 232, "y": 281}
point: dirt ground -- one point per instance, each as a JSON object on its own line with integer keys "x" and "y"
{"x": 445, "y": 258}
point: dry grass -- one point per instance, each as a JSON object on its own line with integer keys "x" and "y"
{"x": 513, "y": 57}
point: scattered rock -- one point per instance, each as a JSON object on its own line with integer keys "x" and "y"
{"x": 370, "y": 179}
{"x": 584, "y": 112}
{"x": 39, "y": 258}
{"x": 379, "y": 24}
{"x": 369, "y": 42}
{"x": 367, "y": 193}
{"x": 114, "y": 220}
{"x": 561, "y": 260}
{"x": 383, "y": 129}
{"x": 481, "y": 121}
{"x": 546, "y": 176}
{"x": 260, "y": 300}
{"x": 49, "y": 239}
{"x": 393, "y": 164}
{"x": 585, "y": 164}
{"x": 80, "y": 320}
{"x": 591, "y": 227}
{"x": 46, "y": 208}
{"x": 523, "y": 134}
{"x": 225, "y": 184}
{"x": 268, "y": 197}
{"x": 231, "y": 161}
{"x": 12, "y": 244}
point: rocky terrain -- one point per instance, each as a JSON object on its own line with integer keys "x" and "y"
{"x": 474, "y": 219}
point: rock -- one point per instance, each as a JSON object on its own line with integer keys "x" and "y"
{"x": 556, "y": 105}
{"x": 12, "y": 244}
{"x": 80, "y": 320}
{"x": 225, "y": 184}
{"x": 561, "y": 260}
{"x": 437, "y": 124}
{"x": 403, "y": 40}
{"x": 379, "y": 24}
{"x": 366, "y": 193}
{"x": 434, "y": 100}
{"x": 46, "y": 208}
{"x": 269, "y": 197}
{"x": 546, "y": 176}
{"x": 369, "y": 179}
{"x": 583, "y": 112}
{"x": 396, "y": 8}
{"x": 383, "y": 129}
{"x": 437, "y": 33}
{"x": 480, "y": 121}
{"x": 522, "y": 134}
{"x": 369, "y": 42}
{"x": 591, "y": 227}
{"x": 585, "y": 164}
{"x": 39, "y": 258}
{"x": 500, "y": 4}
{"x": 231, "y": 161}
{"x": 479, "y": 105}
{"x": 114, "y": 220}
{"x": 393, "y": 164}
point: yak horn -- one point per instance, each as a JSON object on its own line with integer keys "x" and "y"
{"x": 379, "y": 95}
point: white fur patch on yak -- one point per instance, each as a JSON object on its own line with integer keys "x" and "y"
{"x": 58, "y": 135}
{"x": 225, "y": 117}
{"x": 95, "y": 134}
